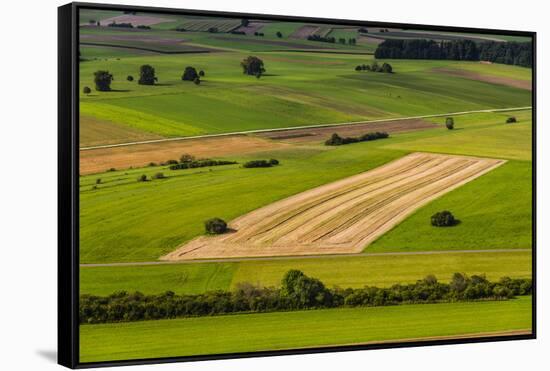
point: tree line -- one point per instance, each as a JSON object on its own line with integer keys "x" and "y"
{"x": 514, "y": 53}
{"x": 298, "y": 291}
{"x": 336, "y": 140}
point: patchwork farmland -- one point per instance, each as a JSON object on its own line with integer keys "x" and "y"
{"x": 344, "y": 216}
{"x": 351, "y": 215}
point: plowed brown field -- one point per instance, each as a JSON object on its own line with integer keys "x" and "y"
{"x": 340, "y": 217}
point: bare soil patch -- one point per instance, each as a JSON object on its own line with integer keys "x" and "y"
{"x": 102, "y": 159}
{"x": 98, "y": 132}
{"x": 135, "y": 20}
{"x": 251, "y": 28}
{"x": 321, "y": 134}
{"x": 304, "y": 31}
{"x": 340, "y": 217}
{"x": 501, "y": 80}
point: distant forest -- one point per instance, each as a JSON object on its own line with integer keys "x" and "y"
{"x": 515, "y": 53}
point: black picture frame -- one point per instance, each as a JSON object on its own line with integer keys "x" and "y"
{"x": 68, "y": 178}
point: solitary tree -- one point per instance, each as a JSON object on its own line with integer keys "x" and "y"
{"x": 450, "y": 123}
{"x": 201, "y": 73}
{"x": 86, "y": 90}
{"x": 443, "y": 219}
{"x": 358, "y": 68}
{"x": 215, "y": 226}
{"x": 190, "y": 74}
{"x": 102, "y": 80}
{"x": 147, "y": 75}
{"x": 130, "y": 78}
{"x": 197, "y": 81}
{"x": 387, "y": 68}
{"x": 279, "y": 34}
{"x": 511, "y": 120}
{"x": 253, "y": 66}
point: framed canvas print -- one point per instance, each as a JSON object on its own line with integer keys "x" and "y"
{"x": 237, "y": 185}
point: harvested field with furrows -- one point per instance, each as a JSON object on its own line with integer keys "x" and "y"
{"x": 304, "y": 31}
{"x": 101, "y": 159}
{"x": 320, "y": 134}
{"x": 340, "y": 217}
{"x": 135, "y": 20}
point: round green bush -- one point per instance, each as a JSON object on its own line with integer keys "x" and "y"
{"x": 215, "y": 226}
{"x": 443, "y": 219}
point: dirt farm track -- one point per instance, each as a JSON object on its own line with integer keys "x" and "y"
{"x": 343, "y": 216}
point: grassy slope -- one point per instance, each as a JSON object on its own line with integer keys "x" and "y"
{"x": 271, "y": 331}
{"x": 300, "y": 89}
{"x": 147, "y": 220}
{"x": 353, "y": 271}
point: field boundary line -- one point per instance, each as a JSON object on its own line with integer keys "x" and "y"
{"x": 318, "y": 256}
{"x": 491, "y": 110}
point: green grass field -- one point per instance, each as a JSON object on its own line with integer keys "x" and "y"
{"x": 355, "y": 271}
{"x": 275, "y": 331}
{"x": 298, "y": 89}
{"x": 118, "y": 213}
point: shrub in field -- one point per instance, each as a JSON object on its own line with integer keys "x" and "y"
{"x": 297, "y": 291}
{"x": 386, "y": 68}
{"x": 142, "y": 178}
{"x": 215, "y": 226}
{"x": 186, "y": 157}
{"x": 252, "y": 66}
{"x": 86, "y": 90}
{"x": 112, "y": 169}
{"x": 147, "y": 75}
{"x": 98, "y": 181}
{"x": 102, "y": 80}
{"x": 130, "y": 78}
{"x": 443, "y": 219}
{"x": 171, "y": 162}
{"x": 159, "y": 176}
{"x": 511, "y": 120}
{"x": 450, "y": 123}
{"x": 197, "y": 81}
{"x": 279, "y": 34}
{"x": 190, "y": 74}
{"x": 201, "y": 73}
{"x": 261, "y": 163}
{"x": 143, "y": 27}
{"x": 213, "y": 30}
{"x": 152, "y": 164}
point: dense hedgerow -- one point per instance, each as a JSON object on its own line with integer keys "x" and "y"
{"x": 336, "y": 140}
{"x": 200, "y": 163}
{"x": 261, "y": 163}
{"x": 297, "y": 291}
{"x": 122, "y": 25}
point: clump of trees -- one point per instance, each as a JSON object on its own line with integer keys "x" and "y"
{"x": 375, "y": 67}
{"x": 86, "y": 90}
{"x": 200, "y": 163}
{"x": 121, "y": 25}
{"x": 513, "y": 53}
{"x": 147, "y": 75}
{"x": 253, "y": 66}
{"x": 102, "y": 80}
{"x": 336, "y": 140}
{"x": 511, "y": 120}
{"x": 450, "y": 123}
{"x": 297, "y": 291}
{"x": 215, "y": 226}
{"x": 261, "y": 163}
{"x": 190, "y": 74}
{"x": 325, "y": 39}
{"x": 443, "y": 219}
{"x": 143, "y": 27}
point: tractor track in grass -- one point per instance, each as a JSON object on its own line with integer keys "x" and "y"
{"x": 492, "y": 110}
{"x": 270, "y": 258}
